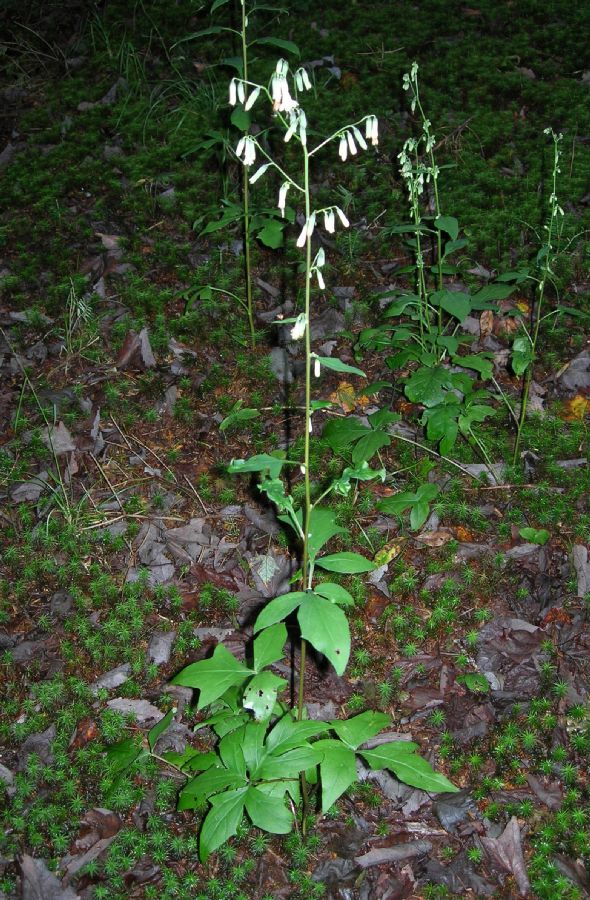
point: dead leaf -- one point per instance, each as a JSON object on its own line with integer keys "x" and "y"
{"x": 506, "y": 851}
{"x": 58, "y": 439}
{"x": 38, "y": 883}
{"x": 486, "y": 323}
{"x": 347, "y": 399}
{"x": 389, "y": 551}
{"x": 576, "y": 409}
{"x": 109, "y": 241}
{"x": 435, "y": 538}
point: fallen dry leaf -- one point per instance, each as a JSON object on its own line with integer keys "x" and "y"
{"x": 346, "y": 397}
{"x": 486, "y": 323}
{"x": 576, "y": 408}
{"x": 435, "y": 538}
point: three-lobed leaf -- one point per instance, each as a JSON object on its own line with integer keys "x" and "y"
{"x": 213, "y": 676}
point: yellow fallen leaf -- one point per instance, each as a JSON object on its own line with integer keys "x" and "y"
{"x": 578, "y": 407}
{"x": 388, "y": 552}
{"x": 346, "y": 397}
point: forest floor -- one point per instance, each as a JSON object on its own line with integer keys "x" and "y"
{"x": 128, "y": 550}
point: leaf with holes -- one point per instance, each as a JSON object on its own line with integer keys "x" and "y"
{"x": 325, "y": 627}
{"x": 261, "y": 694}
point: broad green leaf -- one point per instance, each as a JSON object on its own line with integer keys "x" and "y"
{"x": 289, "y": 733}
{"x": 449, "y": 342}
{"x": 288, "y": 46}
{"x": 237, "y": 417}
{"x": 231, "y": 753}
{"x": 522, "y": 355}
{"x": 408, "y": 767}
{"x": 441, "y": 425}
{"x": 419, "y": 514}
{"x": 278, "y": 609}
{"x": 474, "y": 682}
{"x": 213, "y": 676}
{"x": 491, "y": 292}
{"x": 517, "y": 277}
{"x": 478, "y": 363}
{"x": 159, "y": 728}
{"x": 241, "y": 118}
{"x": 253, "y": 746}
{"x": 261, "y": 694}
{"x": 474, "y": 414}
{"x": 275, "y": 490}
{"x": 290, "y": 764}
{"x": 325, "y": 627}
{"x": 383, "y": 417}
{"x": 359, "y": 729}
{"x": 338, "y": 366}
{"x": 362, "y": 472}
{"x": 267, "y": 812}
{"x": 121, "y": 755}
{"x": 268, "y": 646}
{"x": 222, "y": 820}
{"x": 214, "y": 29}
{"x": 535, "y": 535}
{"x": 347, "y": 563}
{"x": 341, "y": 433}
{"x": 456, "y": 303}
{"x": 401, "y": 304}
{"x": 448, "y": 224}
{"x": 262, "y": 462}
{"x": 322, "y": 527}
{"x": 335, "y": 593}
{"x": 368, "y": 445}
{"x": 397, "y": 504}
{"x": 452, "y": 247}
{"x": 337, "y": 770}
{"x": 216, "y": 4}
{"x": 428, "y": 385}
{"x": 196, "y": 762}
{"x": 271, "y": 233}
{"x": 203, "y": 786}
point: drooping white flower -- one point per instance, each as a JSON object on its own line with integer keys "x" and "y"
{"x": 302, "y": 127}
{"x": 342, "y": 217}
{"x": 302, "y": 79}
{"x": 283, "y": 197}
{"x": 372, "y": 129}
{"x": 298, "y": 330}
{"x": 233, "y": 93}
{"x": 316, "y": 367}
{"x": 302, "y": 236}
{"x": 292, "y": 126}
{"x": 259, "y": 173}
{"x": 246, "y": 150}
{"x": 241, "y": 92}
{"x": 329, "y": 221}
{"x": 351, "y": 143}
{"x": 320, "y": 278}
{"x": 310, "y": 224}
{"x": 359, "y": 138}
{"x": 252, "y": 98}
{"x": 343, "y": 148}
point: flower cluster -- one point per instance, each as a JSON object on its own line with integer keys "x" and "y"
{"x": 352, "y": 136}
{"x": 246, "y": 150}
{"x": 238, "y": 93}
{"x": 282, "y": 101}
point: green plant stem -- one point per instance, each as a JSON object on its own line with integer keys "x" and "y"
{"x": 246, "y": 200}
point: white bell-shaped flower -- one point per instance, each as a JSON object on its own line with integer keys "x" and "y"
{"x": 343, "y": 148}
{"x": 283, "y": 197}
{"x": 298, "y": 330}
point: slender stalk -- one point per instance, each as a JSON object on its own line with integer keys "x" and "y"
{"x": 555, "y": 210}
{"x": 246, "y": 198}
{"x": 306, "y": 474}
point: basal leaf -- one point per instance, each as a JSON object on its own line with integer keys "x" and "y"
{"x": 475, "y": 682}
{"x": 368, "y": 445}
{"x": 428, "y": 385}
{"x": 271, "y": 234}
{"x": 278, "y": 609}
{"x": 213, "y": 676}
{"x": 267, "y": 812}
{"x": 337, "y": 770}
{"x": 122, "y": 754}
{"x": 231, "y": 752}
{"x": 341, "y": 433}
{"x": 205, "y": 785}
{"x": 325, "y": 627}
{"x": 222, "y": 820}
{"x": 335, "y": 593}
{"x": 355, "y": 731}
{"x": 408, "y": 767}
{"x": 289, "y": 733}
{"x": 455, "y": 303}
{"x": 535, "y": 535}
{"x": 268, "y": 646}
{"x": 290, "y": 764}
{"x": 478, "y": 363}
{"x": 347, "y": 563}
{"x": 261, "y": 694}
